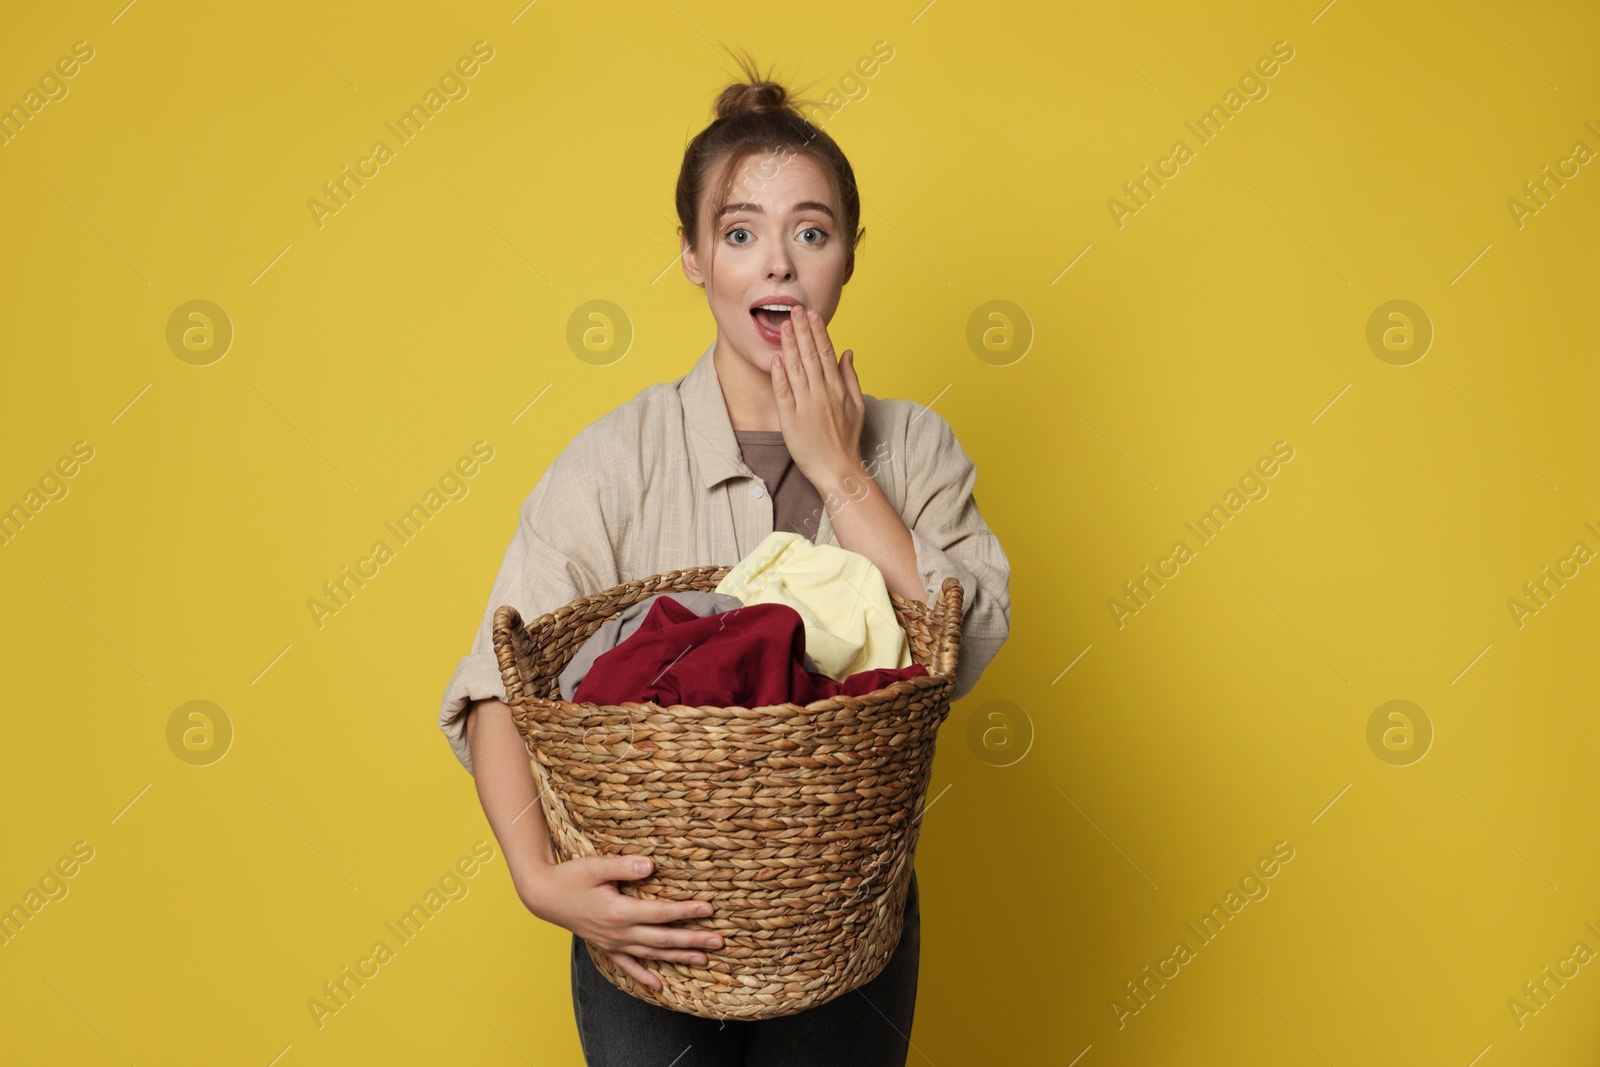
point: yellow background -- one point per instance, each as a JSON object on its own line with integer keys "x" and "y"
{"x": 1119, "y": 799}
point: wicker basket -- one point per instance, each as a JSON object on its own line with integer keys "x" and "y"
{"x": 798, "y": 824}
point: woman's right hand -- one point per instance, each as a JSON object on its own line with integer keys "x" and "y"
{"x": 581, "y": 895}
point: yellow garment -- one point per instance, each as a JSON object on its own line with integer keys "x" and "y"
{"x": 840, "y": 595}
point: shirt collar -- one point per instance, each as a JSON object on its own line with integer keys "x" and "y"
{"x": 710, "y": 431}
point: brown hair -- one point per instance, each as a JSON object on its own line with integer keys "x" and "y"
{"x": 758, "y": 115}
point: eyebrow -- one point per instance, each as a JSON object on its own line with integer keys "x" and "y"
{"x": 757, "y": 209}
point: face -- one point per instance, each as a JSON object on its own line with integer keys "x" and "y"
{"x": 780, "y": 240}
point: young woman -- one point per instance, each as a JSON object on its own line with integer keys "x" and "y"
{"x": 769, "y": 430}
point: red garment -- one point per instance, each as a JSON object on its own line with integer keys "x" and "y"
{"x": 747, "y": 657}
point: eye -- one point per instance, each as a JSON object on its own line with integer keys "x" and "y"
{"x": 822, "y": 235}
{"x": 736, "y": 229}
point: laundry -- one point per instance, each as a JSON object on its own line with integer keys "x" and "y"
{"x": 840, "y": 596}
{"x": 752, "y": 657}
{"x": 625, "y": 623}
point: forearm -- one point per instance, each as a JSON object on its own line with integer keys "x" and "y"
{"x": 864, "y": 521}
{"x": 507, "y": 791}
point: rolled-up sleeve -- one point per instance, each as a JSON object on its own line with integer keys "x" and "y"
{"x": 953, "y": 540}
{"x": 560, "y": 551}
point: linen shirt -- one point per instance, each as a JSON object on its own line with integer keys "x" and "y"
{"x": 658, "y": 484}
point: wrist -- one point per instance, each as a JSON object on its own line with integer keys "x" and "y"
{"x": 531, "y": 891}
{"x": 842, "y": 479}
{"x": 528, "y": 876}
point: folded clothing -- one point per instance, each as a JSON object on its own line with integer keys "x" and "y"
{"x": 749, "y": 657}
{"x": 850, "y": 624}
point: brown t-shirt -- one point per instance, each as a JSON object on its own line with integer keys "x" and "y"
{"x": 796, "y": 504}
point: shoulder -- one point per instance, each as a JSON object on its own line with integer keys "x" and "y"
{"x": 922, "y": 431}
{"x": 912, "y": 451}
{"x": 626, "y": 440}
{"x": 594, "y": 483}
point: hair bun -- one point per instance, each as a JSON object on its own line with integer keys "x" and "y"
{"x": 743, "y": 98}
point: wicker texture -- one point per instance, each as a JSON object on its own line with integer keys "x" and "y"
{"x": 798, "y": 824}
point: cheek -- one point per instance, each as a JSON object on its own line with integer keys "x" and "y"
{"x": 719, "y": 279}
{"x": 728, "y": 307}
{"x": 728, "y": 291}
{"x": 728, "y": 303}
{"x": 831, "y": 291}
{"x": 836, "y": 269}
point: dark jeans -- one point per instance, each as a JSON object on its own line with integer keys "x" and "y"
{"x": 869, "y": 1026}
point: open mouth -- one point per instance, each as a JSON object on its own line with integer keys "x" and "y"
{"x": 769, "y": 321}
{"x": 767, "y": 316}
{"x": 770, "y": 315}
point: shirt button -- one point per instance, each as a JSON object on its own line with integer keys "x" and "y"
{"x": 755, "y": 489}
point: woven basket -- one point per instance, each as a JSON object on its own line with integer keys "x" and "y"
{"x": 797, "y": 824}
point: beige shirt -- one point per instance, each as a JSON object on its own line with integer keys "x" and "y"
{"x": 658, "y": 484}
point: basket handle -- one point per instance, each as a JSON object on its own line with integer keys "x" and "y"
{"x": 511, "y": 642}
{"x": 948, "y": 644}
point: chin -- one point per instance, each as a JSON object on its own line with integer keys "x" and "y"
{"x": 752, "y": 347}
{"x": 759, "y": 359}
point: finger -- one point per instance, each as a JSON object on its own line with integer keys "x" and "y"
{"x": 810, "y": 373}
{"x": 847, "y": 371}
{"x": 669, "y": 937}
{"x": 675, "y": 955}
{"x": 780, "y": 383}
{"x": 791, "y": 352}
{"x": 619, "y": 868}
{"x": 824, "y": 346}
{"x": 632, "y": 966}
{"x": 667, "y": 911}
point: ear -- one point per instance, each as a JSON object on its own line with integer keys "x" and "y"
{"x": 691, "y": 262}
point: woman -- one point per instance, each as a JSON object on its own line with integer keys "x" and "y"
{"x": 769, "y": 430}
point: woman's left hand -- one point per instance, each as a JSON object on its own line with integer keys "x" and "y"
{"x": 819, "y": 399}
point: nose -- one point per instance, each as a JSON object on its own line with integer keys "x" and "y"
{"x": 780, "y": 267}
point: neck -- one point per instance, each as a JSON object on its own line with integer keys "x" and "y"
{"x": 746, "y": 391}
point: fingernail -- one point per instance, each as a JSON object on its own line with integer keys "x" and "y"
{"x": 705, "y": 909}
{"x": 641, "y": 865}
